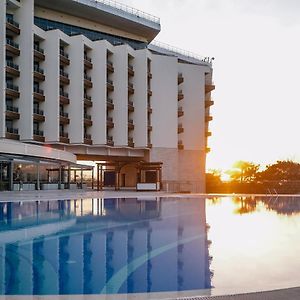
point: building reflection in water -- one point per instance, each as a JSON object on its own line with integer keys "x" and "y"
{"x": 77, "y": 246}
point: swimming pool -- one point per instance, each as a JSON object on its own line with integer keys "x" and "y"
{"x": 148, "y": 245}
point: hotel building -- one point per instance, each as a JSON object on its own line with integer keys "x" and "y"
{"x": 83, "y": 80}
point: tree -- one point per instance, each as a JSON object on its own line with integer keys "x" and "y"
{"x": 243, "y": 171}
{"x": 281, "y": 171}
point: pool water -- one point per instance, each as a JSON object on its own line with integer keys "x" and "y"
{"x": 145, "y": 245}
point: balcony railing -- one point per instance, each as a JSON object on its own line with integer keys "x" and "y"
{"x": 38, "y": 49}
{"x": 64, "y": 114}
{"x": 12, "y": 108}
{"x": 12, "y": 65}
{"x": 12, "y": 86}
{"x": 63, "y": 73}
{"x": 110, "y": 63}
{"x": 130, "y": 121}
{"x": 130, "y": 103}
{"x": 130, "y": 85}
{"x": 38, "y": 132}
{"x": 110, "y": 81}
{"x": 109, "y": 100}
{"x": 38, "y": 90}
{"x": 12, "y": 43}
{"x": 87, "y": 136}
{"x": 38, "y": 111}
{"x": 109, "y": 119}
{"x": 87, "y": 77}
{"x": 64, "y": 135}
{"x": 87, "y": 97}
{"x": 12, "y": 130}
{"x": 38, "y": 70}
{"x": 87, "y": 58}
{"x": 110, "y": 138}
{"x": 63, "y": 94}
{"x": 12, "y": 22}
{"x": 87, "y": 117}
{"x": 63, "y": 53}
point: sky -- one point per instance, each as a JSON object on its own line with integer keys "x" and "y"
{"x": 256, "y": 71}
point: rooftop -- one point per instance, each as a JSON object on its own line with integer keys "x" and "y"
{"x": 110, "y": 13}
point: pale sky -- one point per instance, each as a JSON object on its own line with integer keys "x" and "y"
{"x": 256, "y": 71}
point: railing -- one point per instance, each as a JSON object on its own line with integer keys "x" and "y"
{"x": 38, "y": 70}
{"x": 63, "y": 94}
{"x": 109, "y": 119}
{"x": 64, "y": 135}
{"x": 38, "y": 49}
{"x": 109, "y": 100}
{"x": 180, "y": 143}
{"x": 110, "y": 63}
{"x": 38, "y": 90}
{"x": 130, "y": 85}
{"x": 122, "y": 7}
{"x": 12, "y": 130}
{"x": 130, "y": 121}
{"x": 87, "y": 117}
{"x": 130, "y": 67}
{"x": 38, "y": 111}
{"x": 38, "y": 132}
{"x": 63, "y": 53}
{"x": 12, "y": 86}
{"x": 110, "y": 138}
{"x": 64, "y": 114}
{"x": 87, "y": 136}
{"x": 178, "y": 50}
{"x": 87, "y": 97}
{"x": 12, "y": 43}
{"x": 130, "y": 140}
{"x": 87, "y": 58}
{"x": 180, "y": 109}
{"x": 63, "y": 73}
{"x": 12, "y": 22}
{"x": 12, "y": 108}
{"x": 12, "y": 65}
{"x": 87, "y": 77}
{"x": 130, "y": 103}
{"x": 110, "y": 81}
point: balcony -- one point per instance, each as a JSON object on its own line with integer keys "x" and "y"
{"x": 130, "y": 70}
{"x": 180, "y": 112}
{"x": 208, "y": 119}
{"x": 180, "y": 95}
{"x": 12, "y": 90}
{"x": 12, "y": 133}
{"x": 12, "y": 47}
{"x": 64, "y": 138}
{"x": 130, "y": 142}
{"x": 38, "y": 136}
{"x": 130, "y": 106}
{"x": 38, "y": 115}
{"x": 180, "y": 78}
{"x": 88, "y": 81}
{"x": 110, "y": 104}
{"x": 64, "y": 118}
{"x": 12, "y": 27}
{"x": 12, "y": 69}
{"x": 130, "y": 124}
{"x": 38, "y": 94}
{"x": 149, "y": 92}
{"x": 110, "y": 66}
{"x": 110, "y": 141}
{"x": 38, "y": 73}
{"x": 149, "y": 74}
{"x": 149, "y": 109}
{"x": 64, "y": 98}
{"x": 110, "y": 85}
{"x": 64, "y": 77}
{"x": 209, "y": 88}
{"x": 209, "y": 103}
{"x": 88, "y": 139}
{"x": 208, "y": 134}
{"x": 88, "y": 101}
{"x": 64, "y": 57}
{"x": 110, "y": 122}
{"x": 12, "y": 113}
{"x": 130, "y": 88}
{"x": 88, "y": 62}
{"x": 180, "y": 145}
{"x": 87, "y": 120}
{"x": 180, "y": 128}
{"x": 38, "y": 53}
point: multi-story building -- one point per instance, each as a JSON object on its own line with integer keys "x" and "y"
{"x": 83, "y": 76}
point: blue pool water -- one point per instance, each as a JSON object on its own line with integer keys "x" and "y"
{"x": 117, "y": 246}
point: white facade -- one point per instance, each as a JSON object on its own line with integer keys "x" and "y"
{"x": 100, "y": 90}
